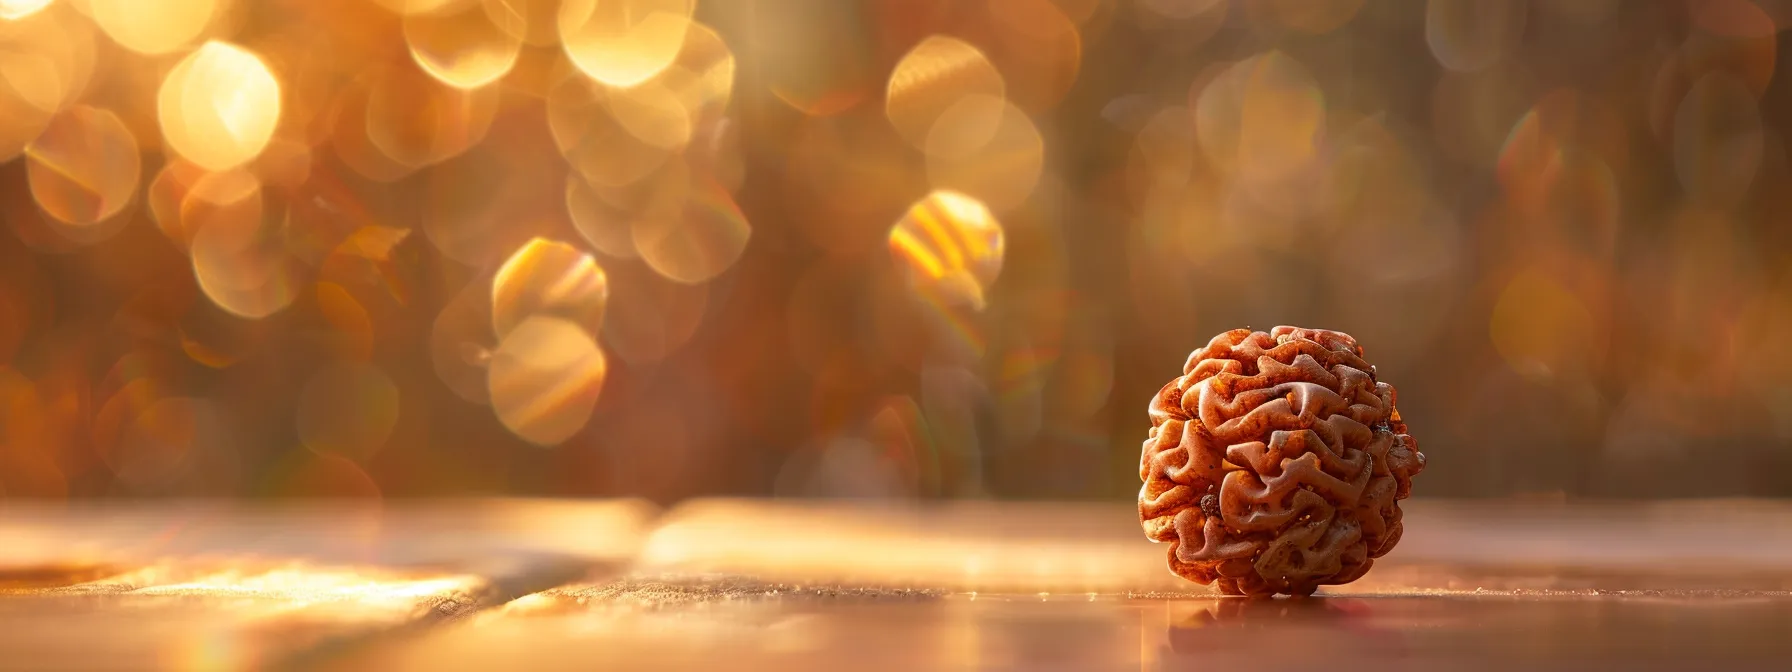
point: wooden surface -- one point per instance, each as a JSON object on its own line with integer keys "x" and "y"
{"x": 735, "y": 584}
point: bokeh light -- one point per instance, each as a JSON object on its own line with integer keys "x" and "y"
{"x": 933, "y": 78}
{"x": 462, "y": 44}
{"x": 219, "y": 106}
{"x": 545, "y": 378}
{"x": 1041, "y": 48}
{"x": 697, "y": 241}
{"x": 461, "y": 341}
{"x": 84, "y": 168}
{"x": 166, "y": 196}
{"x": 1733, "y": 36}
{"x": 594, "y": 140}
{"x": 1562, "y": 122}
{"x": 13, "y": 10}
{"x": 810, "y": 56}
{"x": 348, "y": 319}
{"x": 211, "y": 336}
{"x": 604, "y": 225}
{"x": 702, "y": 75}
{"x": 1473, "y": 113}
{"x": 46, "y": 62}
{"x": 20, "y": 123}
{"x": 998, "y": 165}
{"x": 951, "y": 247}
{"x": 227, "y": 199}
{"x": 153, "y": 26}
{"x": 408, "y": 7}
{"x": 1469, "y": 35}
{"x": 1179, "y": 26}
{"x": 545, "y": 277}
{"x": 415, "y": 120}
{"x": 1718, "y": 140}
{"x": 350, "y": 139}
{"x": 892, "y": 248}
{"x": 238, "y": 253}
{"x": 623, "y": 42}
{"x": 284, "y": 165}
{"x": 144, "y": 436}
{"x": 473, "y": 213}
{"x": 1263, "y": 120}
{"x": 653, "y": 114}
{"x": 1541, "y": 328}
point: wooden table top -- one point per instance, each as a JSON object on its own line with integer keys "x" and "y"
{"x": 748, "y": 584}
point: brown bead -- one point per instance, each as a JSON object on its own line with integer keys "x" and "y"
{"x": 1276, "y": 463}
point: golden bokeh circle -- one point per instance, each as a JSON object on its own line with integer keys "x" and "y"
{"x": 623, "y": 42}
{"x": 167, "y": 195}
{"x": 84, "y": 167}
{"x": 219, "y": 106}
{"x": 461, "y": 45}
{"x": 601, "y": 223}
{"x": 238, "y": 249}
{"x": 697, "y": 242}
{"x": 1000, "y": 168}
{"x": 14, "y": 10}
{"x": 46, "y": 62}
{"x": 414, "y": 120}
{"x": 594, "y": 141}
{"x": 932, "y": 78}
{"x": 545, "y": 378}
{"x": 546, "y": 277}
{"x": 152, "y": 28}
{"x": 951, "y": 248}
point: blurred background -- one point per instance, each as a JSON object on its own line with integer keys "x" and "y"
{"x": 876, "y": 248}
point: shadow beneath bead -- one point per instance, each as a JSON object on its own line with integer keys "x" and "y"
{"x": 1297, "y": 631}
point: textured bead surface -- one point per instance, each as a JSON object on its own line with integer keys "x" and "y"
{"x": 1275, "y": 463}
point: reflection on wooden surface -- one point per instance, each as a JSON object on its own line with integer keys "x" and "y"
{"x": 204, "y": 615}
{"x": 1076, "y": 633}
{"x": 787, "y": 585}
{"x": 1032, "y": 547}
{"x": 332, "y": 531}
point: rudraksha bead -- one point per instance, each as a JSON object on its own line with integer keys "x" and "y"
{"x": 1276, "y": 463}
